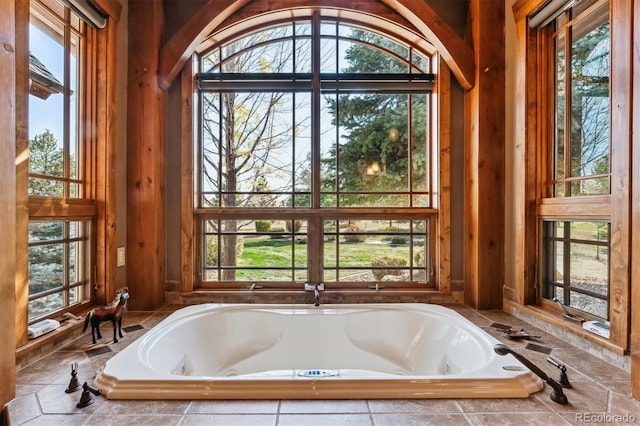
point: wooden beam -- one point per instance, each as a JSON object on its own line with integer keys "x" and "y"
{"x": 457, "y": 54}
{"x": 454, "y": 50}
{"x": 187, "y": 229}
{"x": 621, "y": 120}
{"x": 146, "y": 111}
{"x": 105, "y": 185}
{"x": 373, "y": 14}
{"x": 513, "y": 290}
{"x": 22, "y": 172}
{"x": 181, "y": 46}
{"x": 634, "y": 259}
{"x": 8, "y": 51}
{"x": 485, "y": 159}
{"x": 444, "y": 138}
{"x": 528, "y": 158}
{"x": 525, "y": 163}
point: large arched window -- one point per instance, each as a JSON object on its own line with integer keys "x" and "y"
{"x": 316, "y": 159}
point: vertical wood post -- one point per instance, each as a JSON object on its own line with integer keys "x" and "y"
{"x": 21, "y": 285}
{"x": 145, "y": 157}
{"x": 526, "y": 162}
{"x": 187, "y": 228}
{"x": 7, "y": 197}
{"x": 485, "y": 158}
{"x": 621, "y": 122}
{"x": 634, "y": 260}
{"x": 105, "y": 185}
{"x": 444, "y": 137}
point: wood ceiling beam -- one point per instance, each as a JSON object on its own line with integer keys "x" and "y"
{"x": 458, "y": 55}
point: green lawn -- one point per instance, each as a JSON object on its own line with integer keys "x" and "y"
{"x": 268, "y": 252}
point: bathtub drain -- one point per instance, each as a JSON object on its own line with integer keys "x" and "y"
{"x": 318, "y": 373}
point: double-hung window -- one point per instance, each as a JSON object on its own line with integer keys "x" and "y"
{"x": 575, "y": 213}
{"x": 316, "y": 159}
{"x": 61, "y": 211}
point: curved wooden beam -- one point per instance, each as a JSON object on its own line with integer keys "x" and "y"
{"x": 457, "y": 54}
{"x": 179, "y": 49}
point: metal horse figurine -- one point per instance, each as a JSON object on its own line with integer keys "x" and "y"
{"x": 113, "y": 313}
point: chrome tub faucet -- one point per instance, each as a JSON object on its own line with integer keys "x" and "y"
{"x": 316, "y": 296}
{"x": 316, "y": 288}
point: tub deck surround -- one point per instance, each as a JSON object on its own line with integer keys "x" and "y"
{"x": 358, "y": 351}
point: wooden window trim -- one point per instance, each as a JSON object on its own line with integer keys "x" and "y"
{"x": 532, "y": 156}
{"x": 98, "y": 202}
{"x": 597, "y": 207}
{"x": 66, "y": 208}
{"x": 442, "y": 194}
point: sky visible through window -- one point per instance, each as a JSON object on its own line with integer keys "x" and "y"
{"x": 47, "y": 114}
{"x": 291, "y": 118}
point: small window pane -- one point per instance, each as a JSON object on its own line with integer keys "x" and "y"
{"x": 595, "y": 186}
{"x": 46, "y": 267}
{"x": 59, "y": 260}
{"x": 560, "y": 113}
{"x": 420, "y": 156}
{"x": 590, "y": 267}
{"x": 590, "y": 305}
{"x": 266, "y": 51}
{"x": 578, "y": 268}
{"x": 375, "y": 250}
{"x": 328, "y": 55}
{"x": 55, "y": 133}
{"x": 75, "y": 97}
{"x": 377, "y": 61}
{"x": 45, "y": 231}
{"x": 44, "y": 305}
{"x": 421, "y": 63}
{"x": 255, "y": 250}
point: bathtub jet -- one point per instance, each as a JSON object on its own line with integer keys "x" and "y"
{"x": 351, "y": 351}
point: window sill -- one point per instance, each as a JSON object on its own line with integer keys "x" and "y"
{"x": 556, "y": 320}
{"x": 388, "y": 295}
{"x": 41, "y": 346}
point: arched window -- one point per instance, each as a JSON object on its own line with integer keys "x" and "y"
{"x": 316, "y": 158}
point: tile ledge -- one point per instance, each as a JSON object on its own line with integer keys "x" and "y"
{"x": 68, "y": 330}
{"x": 574, "y": 334}
{"x": 557, "y": 321}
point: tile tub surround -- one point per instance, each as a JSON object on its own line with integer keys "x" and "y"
{"x": 601, "y": 392}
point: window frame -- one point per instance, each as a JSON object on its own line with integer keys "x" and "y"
{"x": 558, "y": 278}
{"x": 564, "y": 36}
{"x": 531, "y": 157}
{"x": 78, "y": 259}
{"x": 566, "y": 207}
{"x": 80, "y": 207}
{"x": 316, "y": 216}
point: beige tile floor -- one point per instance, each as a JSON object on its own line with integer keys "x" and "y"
{"x": 601, "y": 393}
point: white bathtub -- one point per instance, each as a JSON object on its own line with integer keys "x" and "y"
{"x": 227, "y": 351}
